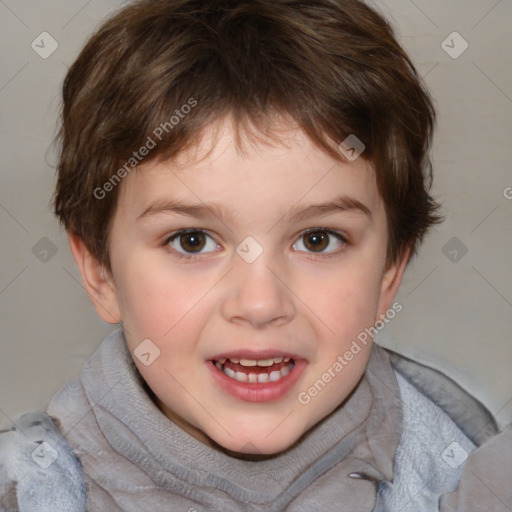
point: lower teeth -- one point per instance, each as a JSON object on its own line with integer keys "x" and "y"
{"x": 254, "y": 378}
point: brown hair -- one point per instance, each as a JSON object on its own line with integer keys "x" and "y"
{"x": 332, "y": 66}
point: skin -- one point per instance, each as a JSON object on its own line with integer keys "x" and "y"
{"x": 291, "y": 298}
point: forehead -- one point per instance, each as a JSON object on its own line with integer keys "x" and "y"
{"x": 281, "y": 172}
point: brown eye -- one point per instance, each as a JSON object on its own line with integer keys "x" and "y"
{"x": 316, "y": 241}
{"x": 322, "y": 241}
{"x": 192, "y": 242}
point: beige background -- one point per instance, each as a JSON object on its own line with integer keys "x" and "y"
{"x": 457, "y": 312}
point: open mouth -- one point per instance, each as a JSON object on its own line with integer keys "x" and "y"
{"x": 255, "y": 371}
{"x": 256, "y": 377}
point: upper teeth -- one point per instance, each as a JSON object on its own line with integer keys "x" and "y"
{"x": 255, "y": 362}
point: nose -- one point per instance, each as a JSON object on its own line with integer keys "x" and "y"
{"x": 257, "y": 296}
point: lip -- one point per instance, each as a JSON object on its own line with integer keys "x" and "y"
{"x": 259, "y": 391}
{"x": 255, "y": 354}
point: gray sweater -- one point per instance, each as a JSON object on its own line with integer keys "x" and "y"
{"x": 388, "y": 447}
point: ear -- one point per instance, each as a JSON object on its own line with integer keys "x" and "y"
{"x": 98, "y": 282}
{"x": 391, "y": 281}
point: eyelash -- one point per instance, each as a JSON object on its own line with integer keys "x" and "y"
{"x": 189, "y": 257}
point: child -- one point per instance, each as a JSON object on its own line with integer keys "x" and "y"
{"x": 243, "y": 183}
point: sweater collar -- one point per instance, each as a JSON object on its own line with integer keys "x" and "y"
{"x": 363, "y": 432}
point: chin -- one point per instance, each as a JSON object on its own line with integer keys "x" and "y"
{"x": 257, "y": 444}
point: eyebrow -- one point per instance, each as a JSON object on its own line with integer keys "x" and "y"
{"x": 296, "y": 213}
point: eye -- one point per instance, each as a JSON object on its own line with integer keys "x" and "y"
{"x": 319, "y": 241}
{"x": 192, "y": 242}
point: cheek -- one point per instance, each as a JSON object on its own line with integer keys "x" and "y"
{"x": 153, "y": 300}
{"x": 346, "y": 303}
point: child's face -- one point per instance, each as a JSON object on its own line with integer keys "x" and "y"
{"x": 209, "y": 295}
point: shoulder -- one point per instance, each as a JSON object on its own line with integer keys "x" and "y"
{"x": 470, "y": 416}
{"x": 442, "y": 427}
{"x": 429, "y": 457}
{"x": 39, "y": 470}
